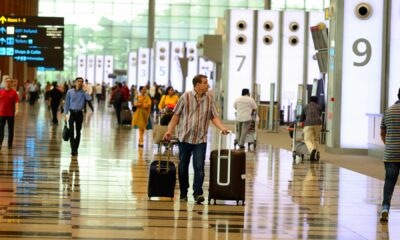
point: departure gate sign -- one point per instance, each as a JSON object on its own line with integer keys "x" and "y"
{"x": 39, "y": 41}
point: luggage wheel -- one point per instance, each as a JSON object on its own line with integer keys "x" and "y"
{"x": 237, "y": 202}
{"x": 302, "y": 157}
{"x": 294, "y": 155}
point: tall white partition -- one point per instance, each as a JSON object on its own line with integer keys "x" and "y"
{"x": 292, "y": 58}
{"x": 90, "y": 69}
{"x": 238, "y": 57}
{"x": 108, "y": 68}
{"x": 314, "y": 18}
{"x": 143, "y": 66}
{"x": 361, "y": 69}
{"x": 394, "y": 73}
{"x": 175, "y": 75}
{"x": 206, "y": 68}
{"x": 192, "y": 56}
{"x": 161, "y": 62}
{"x": 99, "y": 69}
{"x": 267, "y": 51}
{"x": 132, "y": 66}
{"x": 81, "y": 66}
{"x": 151, "y": 77}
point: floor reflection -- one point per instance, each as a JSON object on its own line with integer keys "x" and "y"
{"x": 44, "y": 193}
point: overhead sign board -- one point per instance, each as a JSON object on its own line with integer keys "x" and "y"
{"x": 39, "y": 41}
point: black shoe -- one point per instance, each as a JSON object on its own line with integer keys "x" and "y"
{"x": 241, "y": 147}
{"x": 74, "y": 154}
{"x": 312, "y": 155}
{"x": 9, "y": 147}
{"x": 199, "y": 198}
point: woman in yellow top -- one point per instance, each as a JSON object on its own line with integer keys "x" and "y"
{"x": 141, "y": 117}
{"x": 170, "y": 99}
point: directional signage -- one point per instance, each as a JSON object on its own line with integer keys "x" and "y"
{"x": 39, "y": 41}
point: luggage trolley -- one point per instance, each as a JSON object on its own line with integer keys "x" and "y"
{"x": 299, "y": 148}
{"x": 251, "y": 135}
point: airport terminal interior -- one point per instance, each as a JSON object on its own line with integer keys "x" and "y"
{"x": 101, "y": 192}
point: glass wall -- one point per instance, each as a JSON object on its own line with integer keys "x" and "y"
{"x": 115, "y": 27}
{"x": 307, "y": 5}
{"x": 187, "y": 19}
{"x": 97, "y": 27}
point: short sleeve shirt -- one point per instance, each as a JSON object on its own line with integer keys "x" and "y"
{"x": 194, "y": 117}
{"x": 8, "y": 98}
{"x": 391, "y": 124}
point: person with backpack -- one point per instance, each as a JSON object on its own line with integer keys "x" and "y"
{"x": 116, "y": 99}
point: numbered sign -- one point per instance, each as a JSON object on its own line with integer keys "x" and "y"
{"x": 132, "y": 73}
{"x": 90, "y": 69}
{"x": 394, "y": 73}
{"x": 361, "y": 69}
{"x": 176, "y": 78}
{"x": 81, "y": 66}
{"x": 267, "y": 51}
{"x": 238, "y": 62}
{"x": 143, "y": 67}
{"x": 191, "y": 54}
{"x": 108, "y": 68}
{"x": 313, "y": 72}
{"x": 292, "y": 59}
{"x": 99, "y": 68}
{"x": 161, "y": 62}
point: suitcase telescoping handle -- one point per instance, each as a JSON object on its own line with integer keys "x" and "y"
{"x": 168, "y": 157}
{"x": 228, "y": 177}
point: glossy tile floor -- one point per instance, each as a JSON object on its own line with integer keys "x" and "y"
{"x": 102, "y": 194}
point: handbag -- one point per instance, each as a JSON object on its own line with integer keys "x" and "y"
{"x": 65, "y": 132}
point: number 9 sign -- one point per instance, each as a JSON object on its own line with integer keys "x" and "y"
{"x": 357, "y": 45}
{"x": 361, "y": 68}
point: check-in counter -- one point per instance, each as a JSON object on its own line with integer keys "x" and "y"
{"x": 375, "y": 145}
{"x": 263, "y": 114}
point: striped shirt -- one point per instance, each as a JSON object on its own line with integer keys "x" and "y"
{"x": 194, "y": 117}
{"x": 312, "y": 114}
{"x": 391, "y": 125}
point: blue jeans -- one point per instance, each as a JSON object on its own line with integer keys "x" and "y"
{"x": 199, "y": 157}
{"x": 392, "y": 173}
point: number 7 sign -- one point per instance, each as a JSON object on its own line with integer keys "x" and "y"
{"x": 238, "y": 72}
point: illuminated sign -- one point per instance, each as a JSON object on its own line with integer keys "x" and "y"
{"x": 239, "y": 58}
{"x": 361, "y": 69}
{"x": 39, "y": 41}
{"x": 394, "y": 73}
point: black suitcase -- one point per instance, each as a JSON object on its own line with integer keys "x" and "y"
{"x": 126, "y": 116}
{"x": 162, "y": 178}
{"x": 227, "y": 175}
{"x": 125, "y": 105}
